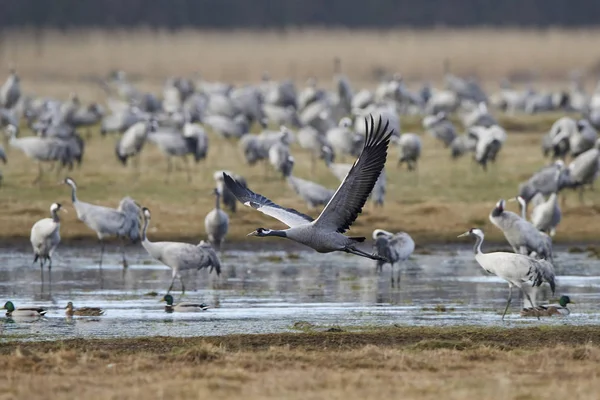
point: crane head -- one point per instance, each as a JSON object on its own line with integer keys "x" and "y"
{"x": 146, "y": 212}
{"x": 260, "y": 232}
{"x": 473, "y": 232}
{"x": 69, "y": 181}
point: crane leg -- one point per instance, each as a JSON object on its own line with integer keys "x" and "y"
{"x": 101, "y": 253}
{"x": 42, "y": 272}
{"x": 125, "y": 263}
{"x": 182, "y": 285}
{"x": 49, "y": 274}
{"x": 532, "y": 303}
{"x": 508, "y": 301}
{"x": 100, "y": 265}
{"x": 172, "y": 283}
{"x": 392, "y": 278}
{"x": 398, "y": 276}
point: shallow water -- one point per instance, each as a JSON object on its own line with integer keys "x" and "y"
{"x": 271, "y": 291}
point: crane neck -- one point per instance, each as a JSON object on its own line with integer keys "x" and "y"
{"x": 477, "y": 247}
{"x": 145, "y": 229}
{"x": 55, "y": 217}
{"x": 523, "y": 207}
{"x": 278, "y": 233}
{"x": 73, "y": 193}
{"x": 217, "y": 200}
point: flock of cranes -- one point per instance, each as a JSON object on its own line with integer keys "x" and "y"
{"x": 332, "y": 126}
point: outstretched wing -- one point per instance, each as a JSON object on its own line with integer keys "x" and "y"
{"x": 288, "y": 216}
{"x": 349, "y": 199}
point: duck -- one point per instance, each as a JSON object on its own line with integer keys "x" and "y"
{"x": 182, "y": 307}
{"x": 549, "y": 310}
{"x": 83, "y": 311}
{"x": 11, "y": 311}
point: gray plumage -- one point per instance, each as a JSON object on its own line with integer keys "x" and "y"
{"x": 312, "y": 193}
{"x": 522, "y": 236}
{"x": 547, "y": 215}
{"x": 227, "y": 197}
{"x": 378, "y": 193}
{"x": 256, "y": 147}
{"x": 343, "y": 140}
{"x": 325, "y": 234}
{"x": 569, "y": 136}
{"x": 216, "y": 223}
{"x": 228, "y": 127}
{"x": 583, "y": 170}
{"x": 45, "y": 237}
{"x": 550, "y": 179}
{"x": 395, "y": 248}
{"x": 121, "y": 120}
{"x": 310, "y": 139}
{"x": 174, "y": 143}
{"x": 132, "y": 141}
{"x": 42, "y": 149}
{"x": 489, "y": 141}
{"x": 10, "y": 91}
{"x": 122, "y": 222}
{"x": 479, "y": 116}
{"x": 518, "y": 270}
{"x": 440, "y": 127}
{"x": 462, "y": 144}
{"x": 88, "y": 116}
{"x": 279, "y": 155}
{"x": 180, "y": 256}
{"x": 409, "y": 145}
{"x": 340, "y": 170}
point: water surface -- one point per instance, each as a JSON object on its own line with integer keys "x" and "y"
{"x": 276, "y": 291}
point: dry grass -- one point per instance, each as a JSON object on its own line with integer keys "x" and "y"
{"x": 444, "y": 198}
{"x": 242, "y": 56}
{"x": 416, "y": 363}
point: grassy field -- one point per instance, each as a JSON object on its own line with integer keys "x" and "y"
{"x": 442, "y": 199}
{"x": 242, "y": 56}
{"x": 414, "y": 363}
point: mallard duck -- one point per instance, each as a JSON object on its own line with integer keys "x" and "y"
{"x": 549, "y": 310}
{"x": 182, "y": 307}
{"x": 83, "y": 311}
{"x": 11, "y": 311}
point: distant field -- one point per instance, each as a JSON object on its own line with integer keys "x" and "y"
{"x": 442, "y": 199}
{"x": 411, "y": 363}
{"x": 242, "y": 56}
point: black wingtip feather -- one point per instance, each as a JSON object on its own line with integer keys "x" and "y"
{"x": 370, "y": 162}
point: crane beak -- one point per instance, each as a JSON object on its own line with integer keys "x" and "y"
{"x": 463, "y": 234}
{"x": 255, "y": 233}
{"x": 512, "y": 199}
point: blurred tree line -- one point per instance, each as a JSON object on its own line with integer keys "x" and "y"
{"x": 223, "y": 14}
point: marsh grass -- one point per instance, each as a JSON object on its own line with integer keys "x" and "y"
{"x": 420, "y": 363}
